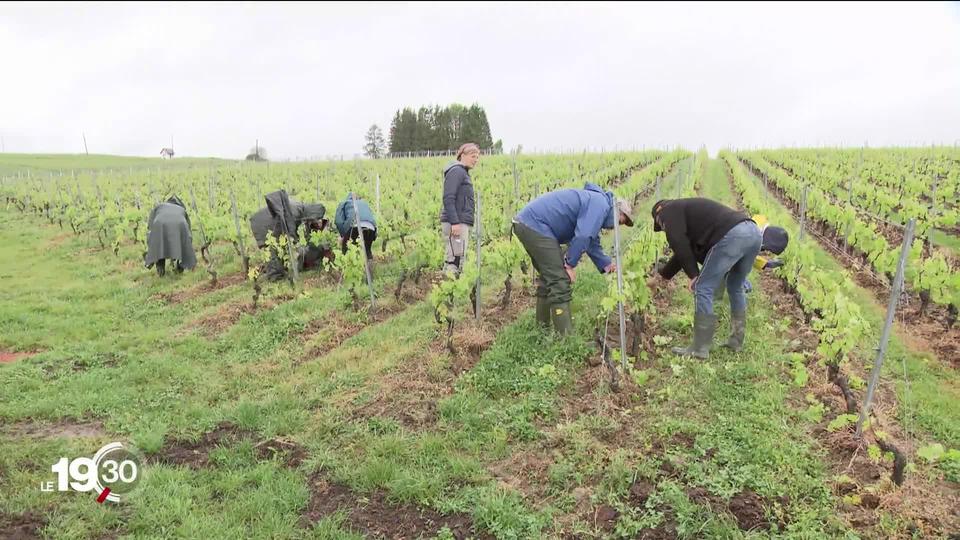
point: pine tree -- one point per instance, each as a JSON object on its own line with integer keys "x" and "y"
{"x": 375, "y": 144}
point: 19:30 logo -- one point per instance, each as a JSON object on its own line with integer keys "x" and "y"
{"x": 112, "y": 472}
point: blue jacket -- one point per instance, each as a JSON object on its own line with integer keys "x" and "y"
{"x": 344, "y": 216}
{"x": 573, "y": 217}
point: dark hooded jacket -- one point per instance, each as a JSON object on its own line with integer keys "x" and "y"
{"x": 458, "y": 202}
{"x": 281, "y": 209}
{"x": 169, "y": 236}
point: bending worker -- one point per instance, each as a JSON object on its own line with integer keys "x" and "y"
{"x": 169, "y": 237}
{"x": 347, "y": 224}
{"x": 568, "y": 216}
{"x": 726, "y": 242}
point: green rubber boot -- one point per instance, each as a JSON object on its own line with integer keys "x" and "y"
{"x": 704, "y": 327}
{"x": 543, "y": 312}
{"x": 738, "y": 330}
{"x": 562, "y": 321}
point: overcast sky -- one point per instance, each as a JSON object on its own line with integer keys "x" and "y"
{"x": 309, "y": 79}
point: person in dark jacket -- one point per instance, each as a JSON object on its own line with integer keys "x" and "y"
{"x": 169, "y": 237}
{"x": 347, "y": 224}
{"x": 726, "y": 242}
{"x": 573, "y": 217}
{"x": 281, "y": 216}
{"x": 457, "y": 210}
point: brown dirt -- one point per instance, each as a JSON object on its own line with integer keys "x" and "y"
{"x": 472, "y": 336}
{"x": 228, "y": 315}
{"x": 605, "y": 518}
{"x": 196, "y": 454}
{"x": 63, "y": 428}
{"x": 374, "y": 516}
{"x": 409, "y": 395}
{"x": 525, "y": 471}
{"x": 292, "y": 453}
{"x": 9, "y": 357}
{"x": 178, "y": 297}
{"x": 21, "y": 527}
{"x": 747, "y": 508}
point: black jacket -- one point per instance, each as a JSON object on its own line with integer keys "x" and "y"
{"x": 693, "y": 226}
{"x": 458, "y": 203}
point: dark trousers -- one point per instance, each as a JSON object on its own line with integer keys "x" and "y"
{"x": 369, "y": 236}
{"x": 547, "y": 257}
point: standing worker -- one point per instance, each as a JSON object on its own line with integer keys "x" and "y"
{"x": 169, "y": 237}
{"x": 458, "y": 208}
{"x": 726, "y": 242}
{"x": 568, "y": 216}
{"x": 347, "y": 224}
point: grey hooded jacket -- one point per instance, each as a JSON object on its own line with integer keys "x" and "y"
{"x": 458, "y": 203}
{"x": 169, "y": 236}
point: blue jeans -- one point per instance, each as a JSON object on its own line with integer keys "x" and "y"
{"x": 733, "y": 256}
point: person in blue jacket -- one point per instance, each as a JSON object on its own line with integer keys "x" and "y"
{"x": 347, "y": 224}
{"x": 573, "y": 217}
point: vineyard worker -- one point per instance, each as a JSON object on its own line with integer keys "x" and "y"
{"x": 725, "y": 241}
{"x": 269, "y": 221}
{"x": 169, "y": 237}
{"x": 573, "y": 217}
{"x": 457, "y": 210}
{"x": 347, "y": 225}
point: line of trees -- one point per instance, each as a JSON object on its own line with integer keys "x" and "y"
{"x": 438, "y": 129}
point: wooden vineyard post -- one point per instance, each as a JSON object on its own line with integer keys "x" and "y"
{"x": 891, "y": 312}
{"x": 294, "y": 261}
{"x": 378, "y": 194}
{"x": 363, "y": 244}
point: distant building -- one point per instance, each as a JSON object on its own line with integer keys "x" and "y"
{"x": 166, "y": 153}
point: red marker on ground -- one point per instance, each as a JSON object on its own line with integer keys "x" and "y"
{"x": 103, "y": 496}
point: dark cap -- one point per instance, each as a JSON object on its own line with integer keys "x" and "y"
{"x": 775, "y": 240}
{"x": 653, "y": 213}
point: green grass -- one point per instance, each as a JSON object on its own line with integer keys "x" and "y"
{"x": 113, "y": 353}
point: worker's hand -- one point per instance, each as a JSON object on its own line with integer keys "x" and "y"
{"x": 611, "y": 268}
{"x": 457, "y": 230}
{"x": 571, "y": 273}
{"x": 773, "y": 263}
{"x": 693, "y": 284}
